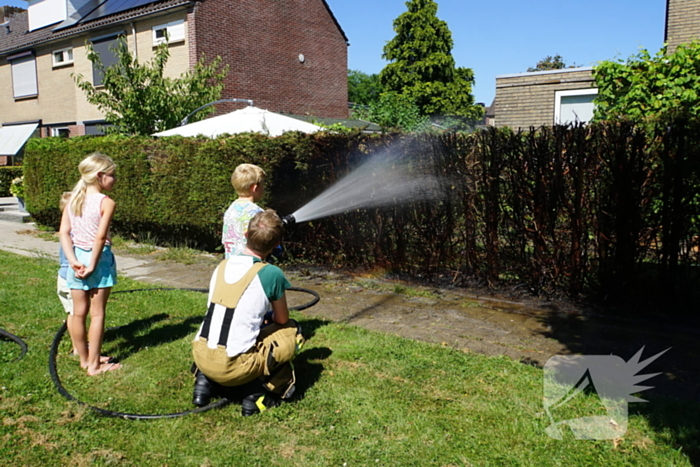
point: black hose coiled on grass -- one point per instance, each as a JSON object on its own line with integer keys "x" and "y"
{"x": 16, "y": 340}
{"x": 130, "y": 416}
{"x": 111, "y": 413}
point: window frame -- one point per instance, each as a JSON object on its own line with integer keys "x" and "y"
{"x": 62, "y": 52}
{"x": 112, "y": 39}
{"x": 171, "y": 38}
{"x": 20, "y": 68}
{"x": 568, "y": 93}
{"x": 56, "y": 131}
{"x": 96, "y": 127}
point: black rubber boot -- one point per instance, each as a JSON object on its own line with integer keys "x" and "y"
{"x": 256, "y": 403}
{"x": 202, "y": 390}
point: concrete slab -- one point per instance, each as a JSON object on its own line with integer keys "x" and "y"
{"x": 9, "y": 211}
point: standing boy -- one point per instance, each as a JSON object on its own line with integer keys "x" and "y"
{"x": 62, "y": 290}
{"x": 232, "y": 348}
{"x": 248, "y": 181}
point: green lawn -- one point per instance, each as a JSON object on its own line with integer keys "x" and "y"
{"x": 364, "y": 398}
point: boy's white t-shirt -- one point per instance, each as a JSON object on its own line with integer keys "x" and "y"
{"x": 266, "y": 287}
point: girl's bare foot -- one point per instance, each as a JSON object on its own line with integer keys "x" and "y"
{"x": 103, "y": 368}
{"x": 103, "y": 359}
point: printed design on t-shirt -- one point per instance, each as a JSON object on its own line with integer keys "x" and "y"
{"x": 236, "y": 221}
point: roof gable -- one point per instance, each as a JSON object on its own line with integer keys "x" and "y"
{"x": 330, "y": 12}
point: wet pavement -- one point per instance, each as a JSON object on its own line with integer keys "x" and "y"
{"x": 530, "y": 332}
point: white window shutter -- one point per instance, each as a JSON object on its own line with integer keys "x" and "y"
{"x": 176, "y": 31}
{"x": 24, "y": 77}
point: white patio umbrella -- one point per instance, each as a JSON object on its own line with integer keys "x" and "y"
{"x": 248, "y": 119}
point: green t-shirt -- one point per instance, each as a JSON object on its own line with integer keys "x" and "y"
{"x": 273, "y": 281}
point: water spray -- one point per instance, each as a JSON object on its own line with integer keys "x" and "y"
{"x": 387, "y": 179}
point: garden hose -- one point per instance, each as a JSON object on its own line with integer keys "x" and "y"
{"x": 305, "y": 305}
{"x": 16, "y": 340}
{"x": 131, "y": 416}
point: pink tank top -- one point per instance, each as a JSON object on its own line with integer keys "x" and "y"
{"x": 84, "y": 228}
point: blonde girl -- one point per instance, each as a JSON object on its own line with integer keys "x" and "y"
{"x": 86, "y": 243}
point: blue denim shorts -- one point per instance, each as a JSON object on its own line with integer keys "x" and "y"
{"x": 104, "y": 275}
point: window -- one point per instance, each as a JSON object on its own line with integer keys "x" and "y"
{"x": 63, "y": 57}
{"x": 96, "y": 127}
{"x": 106, "y": 49}
{"x": 60, "y": 131}
{"x": 24, "y": 83}
{"x": 172, "y": 32}
{"x": 574, "y": 106}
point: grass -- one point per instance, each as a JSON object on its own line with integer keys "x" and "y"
{"x": 364, "y": 398}
{"x": 179, "y": 254}
{"x": 147, "y": 247}
{"x": 50, "y": 236}
{"x": 121, "y": 245}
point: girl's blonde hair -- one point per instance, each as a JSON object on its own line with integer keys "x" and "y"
{"x": 89, "y": 169}
{"x": 65, "y": 198}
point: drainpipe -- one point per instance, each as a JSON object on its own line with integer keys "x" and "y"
{"x": 136, "y": 45}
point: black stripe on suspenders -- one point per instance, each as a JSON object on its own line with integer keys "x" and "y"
{"x": 206, "y": 325}
{"x": 226, "y": 326}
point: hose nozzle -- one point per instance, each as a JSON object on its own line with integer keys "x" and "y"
{"x": 289, "y": 220}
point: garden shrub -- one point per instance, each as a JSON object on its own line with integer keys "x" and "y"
{"x": 7, "y": 174}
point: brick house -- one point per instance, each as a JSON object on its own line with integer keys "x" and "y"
{"x": 682, "y": 22}
{"x": 284, "y": 55}
{"x": 525, "y": 100}
{"x": 544, "y": 98}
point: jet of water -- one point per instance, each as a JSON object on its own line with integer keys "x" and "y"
{"x": 384, "y": 180}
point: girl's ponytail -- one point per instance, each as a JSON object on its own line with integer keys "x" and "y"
{"x": 89, "y": 168}
{"x": 78, "y": 198}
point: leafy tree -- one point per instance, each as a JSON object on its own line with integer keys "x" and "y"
{"x": 363, "y": 89}
{"x": 8, "y": 10}
{"x": 550, "y": 62}
{"x": 422, "y": 67}
{"x": 138, "y": 99}
{"x": 394, "y": 112}
{"x": 646, "y": 87}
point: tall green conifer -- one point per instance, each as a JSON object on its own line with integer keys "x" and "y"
{"x": 422, "y": 67}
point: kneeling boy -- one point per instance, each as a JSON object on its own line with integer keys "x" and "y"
{"x": 232, "y": 348}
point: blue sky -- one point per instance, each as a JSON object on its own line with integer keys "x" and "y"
{"x": 507, "y": 36}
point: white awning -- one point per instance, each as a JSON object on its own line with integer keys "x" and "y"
{"x": 247, "y": 120}
{"x": 12, "y": 138}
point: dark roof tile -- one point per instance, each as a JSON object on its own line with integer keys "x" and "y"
{"x": 15, "y": 35}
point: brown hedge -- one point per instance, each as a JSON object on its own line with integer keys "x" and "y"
{"x": 607, "y": 209}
